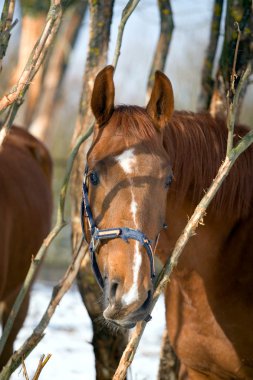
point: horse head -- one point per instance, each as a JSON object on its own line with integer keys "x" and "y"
{"x": 126, "y": 182}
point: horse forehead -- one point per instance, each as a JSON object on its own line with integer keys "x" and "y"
{"x": 127, "y": 159}
{"x": 134, "y": 159}
{"x": 129, "y": 155}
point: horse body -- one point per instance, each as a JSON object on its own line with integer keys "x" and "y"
{"x": 209, "y": 307}
{"x": 209, "y": 300}
{"x": 25, "y": 203}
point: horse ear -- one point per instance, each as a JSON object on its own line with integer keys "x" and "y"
{"x": 102, "y": 99}
{"x": 161, "y": 104}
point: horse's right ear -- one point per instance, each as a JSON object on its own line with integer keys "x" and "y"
{"x": 102, "y": 99}
{"x": 161, "y": 104}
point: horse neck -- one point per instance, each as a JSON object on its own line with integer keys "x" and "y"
{"x": 196, "y": 144}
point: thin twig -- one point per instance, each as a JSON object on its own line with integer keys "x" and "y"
{"x": 232, "y": 98}
{"x": 126, "y": 13}
{"x": 38, "y": 333}
{"x": 233, "y": 107}
{"x": 9, "y": 120}
{"x": 24, "y": 370}
{"x": 42, "y": 362}
{"x": 6, "y": 26}
{"x": 36, "y": 57}
{"x": 233, "y": 75}
{"x": 189, "y": 231}
{"x": 39, "y": 367}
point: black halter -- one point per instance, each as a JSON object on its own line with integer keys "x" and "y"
{"x": 123, "y": 233}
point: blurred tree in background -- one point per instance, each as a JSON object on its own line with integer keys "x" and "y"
{"x": 33, "y": 20}
{"x": 216, "y": 79}
{"x": 40, "y": 101}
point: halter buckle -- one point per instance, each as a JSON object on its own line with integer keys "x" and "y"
{"x": 94, "y": 242}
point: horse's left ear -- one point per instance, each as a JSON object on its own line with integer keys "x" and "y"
{"x": 161, "y": 104}
{"x": 102, "y": 99}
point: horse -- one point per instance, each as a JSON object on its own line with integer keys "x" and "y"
{"x": 147, "y": 168}
{"x": 26, "y": 205}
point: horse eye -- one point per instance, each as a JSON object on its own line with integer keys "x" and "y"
{"x": 94, "y": 178}
{"x": 168, "y": 181}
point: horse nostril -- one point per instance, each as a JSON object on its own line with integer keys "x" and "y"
{"x": 113, "y": 290}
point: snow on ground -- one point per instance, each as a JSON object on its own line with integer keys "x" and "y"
{"x": 68, "y": 340}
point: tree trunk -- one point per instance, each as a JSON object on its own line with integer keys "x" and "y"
{"x": 55, "y": 70}
{"x": 169, "y": 363}
{"x": 107, "y": 348}
{"x": 239, "y": 11}
{"x": 5, "y": 27}
{"x": 207, "y": 82}
{"x": 163, "y": 44}
{"x": 32, "y": 26}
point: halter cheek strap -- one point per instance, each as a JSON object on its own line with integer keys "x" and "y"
{"x": 123, "y": 233}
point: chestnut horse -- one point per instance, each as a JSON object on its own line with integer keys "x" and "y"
{"x": 148, "y": 167}
{"x": 25, "y": 207}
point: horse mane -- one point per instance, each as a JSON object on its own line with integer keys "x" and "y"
{"x": 196, "y": 144}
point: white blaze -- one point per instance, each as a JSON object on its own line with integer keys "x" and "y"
{"x": 132, "y": 294}
{"x": 127, "y": 160}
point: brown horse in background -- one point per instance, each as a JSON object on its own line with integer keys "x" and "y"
{"x": 135, "y": 154}
{"x": 25, "y": 214}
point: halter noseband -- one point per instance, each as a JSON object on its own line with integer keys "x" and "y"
{"x": 123, "y": 233}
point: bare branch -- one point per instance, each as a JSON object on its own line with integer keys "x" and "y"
{"x": 126, "y": 13}
{"x": 6, "y": 26}
{"x": 38, "y": 333}
{"x": 24, "y": 370}
{"x": 36, "y": 58}
{"x": 42, "y": 362}
{"x": 232, "y": 96}
{"x": 234, "y": 105}
{"x": 233, "y": 75}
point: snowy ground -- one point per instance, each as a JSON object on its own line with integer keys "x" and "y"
{"x": 69, "y": 333}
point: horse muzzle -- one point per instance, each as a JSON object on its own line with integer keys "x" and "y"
{"x": 123, "y": 316}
